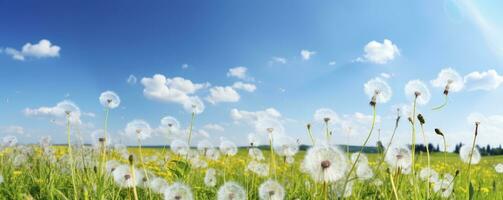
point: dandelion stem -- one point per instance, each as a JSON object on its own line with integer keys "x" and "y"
{"x": 428, "y": 158}
{"x": 393, "y": 186}
{"x": 190, "y": 127}
{"x": 471, "y": 155}
{"x": 273, "y": 164}
{"x": 309, "y": 132}
{"x": 71, "y": 157}
{"x": 362, "y": 148}
{"x": 445, "y": 151}
{"x": 446, "y": 100}
{"x": 131, "y": 166}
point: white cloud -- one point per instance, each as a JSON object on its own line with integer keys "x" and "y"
{"x": 238, "y": 72}
{"x": 490, "y": 129}
{"x": 175, "y": 90}
{"x": 277, "y": 60}
{"x": 213, "y": 127}
{"x": 488, "y": 80}
{"x": 58, "y": 112}
{"x": 43, "y": 49}
{"x": 131, "y": 80}
{"x": 306, "y": 54}
{"x": 222, "y": 94}
{"x": 260, "y": 120}
{"x": 244, "y": 86}
{"x": 386, "y": 75}
{"x": 185, "y": 66}
{"x": 356, "y": 124}
{"x": 13, "y": 129}
{"x": 332, "y": 63}
{"x": 379, "y": 53}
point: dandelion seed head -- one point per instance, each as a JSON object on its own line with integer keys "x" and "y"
{"x": 231, "y": 191}
{"x": 417, "y": 89}
{"x": 399, "y": 157}
{"x": 179, "y": 147}
{"x": 271, "y": 190}
{"x": 378, "y": 90}
{"x": 210, "y": 178}
{"x": 428, "y": 174}
{"x": 138, "y": 129}
{"x": 178, "y": 191}
{"x": 158, "y": 185}
{"x": 325, "y": 163}
{"x": 499, "y": 168}
{"x": 465, "y": 152}
{"x": 228, "y": 148}
{"x": 449, "y": 78}
{"x": 110, "y": 99}
{"x": 321, "y": 115}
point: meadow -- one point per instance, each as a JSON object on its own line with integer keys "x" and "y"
{"x": 38, "y": 176}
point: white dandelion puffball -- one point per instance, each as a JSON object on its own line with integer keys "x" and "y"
{"x": 326, "y": 114}
{"x": 499, "y": 168}
{"x": 9, "y": 141}
{"x": 231, "y": 191}
{"x": 465, "y": 152}
{"x": 325, "y": 163}
{"x": 123, "y": 177}
{"x": 111, "y": 165}
{"x": 427, "y": 174}
{"x": 444, "y": 186}
{"x": 228, "y": 148}
{"x": 170, "y": 126}
{"x": 270, "y": 126}
{"x": 449, "y": 77}
{"x": 212, "y": 154}
{"x": 158, "y": 185}
{"x": 363, "y": 171}
{"x": 194, "y": 105}
{"x": 98, "y": 135}
{"x": 379, "y": 88}
{"x": 45, "y": 142}
{"x": 362, "y": 159}
{"x": 285, "y": 146}
{"x": 178, "y": 191}
{"x": 68, "y": 109}
{"x": 210, "y": 178}
{"x": 399, "y": 157}
{"x": 260, "y": 169}
{"x": 138, "y": 129}
{"x": 417, "y": 87}
{"x": 204, "y": 145}
{"x": 110, "y": 99}
{"x": 271, "y": 190}
{"x": 179, "y": 147}
{"x": 256, "y": 154}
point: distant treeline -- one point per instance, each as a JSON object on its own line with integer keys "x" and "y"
{"x": 485, "y": 151}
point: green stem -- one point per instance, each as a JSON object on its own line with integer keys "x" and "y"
{"x": 71, "y": 158}
{"x": 190, "y": 128}
{"x": 362, "y": 148}
{"x": 446, "y": 99}
{"x": 428, "y": 157}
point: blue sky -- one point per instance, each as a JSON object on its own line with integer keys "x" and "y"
{"x": 101, "y": 43}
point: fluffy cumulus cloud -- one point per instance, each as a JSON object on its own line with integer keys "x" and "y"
{"x": 244, "y": 86}
{"x": 306, "y": 54}
{"x": 261, "y": 120}
{"x": 222, "y": 94}
{"x": 57, "y": 112}
{"x": 213, "y": 127}
{"x": 379, "y": 53}
{"x": 174, "y": 90}
{"x": 238, "y": 72}
{"x": 491, "y": 127}
{"x": 356, "y": 124}
{"x": 43, "y": 49}
{"x": 488, "y": 80}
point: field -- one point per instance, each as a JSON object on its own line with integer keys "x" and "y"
{"x": 37, "y": 175}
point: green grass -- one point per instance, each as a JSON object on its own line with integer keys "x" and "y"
{"x": 38, "y": 178}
